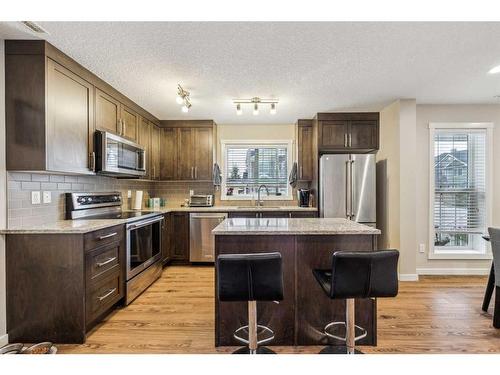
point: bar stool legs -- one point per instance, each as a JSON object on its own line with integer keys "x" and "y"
{"x": 253, "y": 328}
{"x": 350, "y": 332}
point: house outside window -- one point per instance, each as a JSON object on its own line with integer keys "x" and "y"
{"x": 246, "y": 166}
{"x": 460, "y": 189}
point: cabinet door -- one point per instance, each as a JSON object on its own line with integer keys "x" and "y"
{"x": 107, "y": 112}
{"x": 70, "y": 120}
{"x": 180, "y": 226}
{"x": 363, "y": 134}
{"x": 168, "y": 154}
{"x": 144, "y": 139}
{"x": 185, "y": 165}
{"x": 245, "y": 214}
{"x": 130, "y": 123}
{"x": 274, "y": 214}
{"x": 167, "y": 237}
{"x": 203, "y": 153}
{"x": 155, "y": 152}
{"x": 305, "y": 153}
{"x": 333, "y": 134}
{"x": 303, "y": 214}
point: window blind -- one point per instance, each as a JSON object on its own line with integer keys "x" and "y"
{"x": 249, "y": 166}
{"x": 459, "y": 185}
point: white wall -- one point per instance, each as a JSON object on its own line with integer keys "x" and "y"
{"x": 3, "y": 198}
{"x": 396, "y": 182}
{"x": 450, "y": 113}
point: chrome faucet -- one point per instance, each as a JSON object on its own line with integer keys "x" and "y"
{"x": 259, "y": 202}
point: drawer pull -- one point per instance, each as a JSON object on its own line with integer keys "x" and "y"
{"x": 108, "y": 236}
{"x": 106, "y": 262}
{"x": 107, "y": 294}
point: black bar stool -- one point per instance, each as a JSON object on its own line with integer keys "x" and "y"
{"x": 357, "y": 274}
{"x": 495, "y": 249}
{"x": 251, "y": 278}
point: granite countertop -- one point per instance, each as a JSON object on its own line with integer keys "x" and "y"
{"x": 84, "y": 226}
{"x": 309, "y": 226}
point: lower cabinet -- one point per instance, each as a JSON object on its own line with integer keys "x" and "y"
{"x": 59, "y": 286}
{"x": 180, "y": 237}
{"x": 273, "y": 214}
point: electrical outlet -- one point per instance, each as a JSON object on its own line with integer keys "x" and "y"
{"x": 35, "y": 197}
{"x": 421, "y": 248}
{"x": 191, "y": 193}
{"x": 129, "y": 193}
{"x": 47, "y": 197}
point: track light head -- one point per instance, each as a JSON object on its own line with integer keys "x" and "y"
{"x": 255, "y": 109}
{"x": 273, "y": 109}
{"x": 239, "y": 111}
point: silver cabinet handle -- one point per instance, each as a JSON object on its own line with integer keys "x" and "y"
{"x": 154, "y": 172}
{"x": 345, "y": 139}
{"x": 92, "y": 161}
{"x": 108, "y": 236}
{"x": 107, "y": 261}
{"x": 119, "y": 126}
{"x": 192, "y": 172}
{"x": 301, "y": 172}
{"x": 350, "y": 140}
{"x": 124, "y": 125}
{"x": 107, "y": 294}
{"x": 195, "y": 172}
{"x": 290, "y": 215}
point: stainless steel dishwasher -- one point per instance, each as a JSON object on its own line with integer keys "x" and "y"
{"x": 201, "y": 239}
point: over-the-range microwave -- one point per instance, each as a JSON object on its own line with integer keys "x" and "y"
{"x": 117, "y": 156}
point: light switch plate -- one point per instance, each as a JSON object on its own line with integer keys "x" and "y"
{"x": 35, "y": 197}
{"x": 421, "y": 248}
{"x": 47, "y": 197}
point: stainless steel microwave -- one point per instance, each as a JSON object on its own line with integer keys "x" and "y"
{"x": 117, "y": 156}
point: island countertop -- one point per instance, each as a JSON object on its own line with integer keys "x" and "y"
{"x": 285, "y": 226}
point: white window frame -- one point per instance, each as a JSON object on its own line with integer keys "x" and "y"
{"x": 289, "y": 155}
{"x": 461, "y": 254}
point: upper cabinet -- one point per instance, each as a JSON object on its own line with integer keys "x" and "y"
{"x": 187, "y": 150}
{"x": 347, "y": 132}
{"x": 155, "y": 152}
{"x": 305, "y": 150}
{"x": 53, "y": 105}
{"x": 144, "y": 139}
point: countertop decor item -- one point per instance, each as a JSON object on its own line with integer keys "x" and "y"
{"x": 11, "y": 348}
{"x": 138, "y": 200}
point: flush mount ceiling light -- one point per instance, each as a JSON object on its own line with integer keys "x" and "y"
{"x": 255, "y": 102}
{"x": 494, "y": 70}
{"x": 183, "y": 98}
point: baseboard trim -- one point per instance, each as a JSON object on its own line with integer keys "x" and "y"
{"x": 4, "y": 340}
{"x": 408, "y": 277}
{"x": 453, "y": 271}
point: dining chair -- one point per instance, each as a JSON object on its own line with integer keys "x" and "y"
{"x": 495, "y": 248}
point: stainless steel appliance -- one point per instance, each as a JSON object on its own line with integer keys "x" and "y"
{"x": 117, "y": 156}
{"x": 347, "y": 187}
{"x": 303, "y": 196}
{"x": 201, "y": 239}
{"x": 143, "y": 240}
{"x": 199, "y": 200}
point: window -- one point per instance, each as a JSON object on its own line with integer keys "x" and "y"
{"x": 460, "y": 192}
{"x": 246, "y": 166}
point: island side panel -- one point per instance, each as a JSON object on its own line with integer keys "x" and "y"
{"x": 229, "y": 316}
{"x": 314, "y": 309}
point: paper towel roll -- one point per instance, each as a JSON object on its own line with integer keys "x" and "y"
{"x": 138, "y": 200}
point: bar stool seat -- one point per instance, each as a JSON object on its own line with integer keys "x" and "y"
{"x": 356, "y": 274}
{"x": 251, "y": 278}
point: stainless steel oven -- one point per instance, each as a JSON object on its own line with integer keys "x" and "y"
{"x": 117, "y": 156}
{"x": 143, "y": 244}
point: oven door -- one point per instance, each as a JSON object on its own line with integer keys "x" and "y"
{"x": 143, "y": 244}
{"x": 118, "y": 156}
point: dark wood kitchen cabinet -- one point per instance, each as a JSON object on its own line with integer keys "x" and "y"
{"x": 187, "y": 150}
{"x": 52, "y": 107}
{"x": 180, "y": 237}
{"x": 59, "y": 286}
{"x": 155, "y": 152}
{"x": 167, "y": 238}
{"x": 144, "y": 139}
{"x": 347, "y": 132}
{"x": 305, "y": 150}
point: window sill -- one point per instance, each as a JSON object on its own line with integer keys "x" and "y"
{"x": 462, "y": 255}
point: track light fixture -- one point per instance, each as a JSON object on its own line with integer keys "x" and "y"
{"x": 183, "y": 98}
{"x": 255, "y": 102}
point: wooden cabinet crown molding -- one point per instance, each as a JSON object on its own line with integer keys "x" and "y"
{"x": 187, "y": 123}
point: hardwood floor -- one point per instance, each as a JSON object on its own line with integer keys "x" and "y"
{"x": 176, "y": 315}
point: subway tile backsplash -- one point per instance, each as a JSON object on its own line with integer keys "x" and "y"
{"x": 20, "y": 185}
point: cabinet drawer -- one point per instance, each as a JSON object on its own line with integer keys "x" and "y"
{"x": 102, "y": 260}
{"x": 103, "y": 237}
{"x": 103, "y": 295}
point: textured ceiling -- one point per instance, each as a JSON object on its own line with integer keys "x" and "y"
{"x": 310, "y": 67}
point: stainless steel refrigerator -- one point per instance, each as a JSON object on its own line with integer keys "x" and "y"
{"x": 347, "y": 187}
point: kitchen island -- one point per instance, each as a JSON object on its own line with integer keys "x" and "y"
{"x": 304, "y": 244}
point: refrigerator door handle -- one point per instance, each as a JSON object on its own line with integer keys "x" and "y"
{"x": 348, "y": 189}
{"x": 352, "y": 190}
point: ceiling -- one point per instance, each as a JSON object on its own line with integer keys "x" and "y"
{"x": 310, "y": 67}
